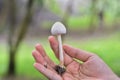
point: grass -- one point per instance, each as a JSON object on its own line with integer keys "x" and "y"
{"x": 106, "y": 48}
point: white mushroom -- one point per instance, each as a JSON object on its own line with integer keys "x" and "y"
{"x": 58, "y": 29}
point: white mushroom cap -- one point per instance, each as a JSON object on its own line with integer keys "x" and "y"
{"x": 58, "y": 28}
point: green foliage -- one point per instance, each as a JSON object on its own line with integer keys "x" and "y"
{"x": 86, "y": 14}
{"x": 47, "y": 25}
{"x": 40, "y": 2}
{"x": 53, "y": 6}
{"x": 82, "y": 22}
{"x": 78, "y": 22}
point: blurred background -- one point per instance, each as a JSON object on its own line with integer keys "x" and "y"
{"x": 92, "y": 25}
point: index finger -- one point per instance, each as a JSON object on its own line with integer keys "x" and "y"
{"x": 77, "y": 53}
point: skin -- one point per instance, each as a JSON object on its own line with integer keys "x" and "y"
{"x": 91, "y": 68}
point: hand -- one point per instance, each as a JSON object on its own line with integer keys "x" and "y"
{"x": 92, "y": 68}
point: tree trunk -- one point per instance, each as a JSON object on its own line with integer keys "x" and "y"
{"x": 93, "y": 15}
{"x": 12, "y": 20}
{"x": 11, "y": 69}
{"x": 101, "y": 20}
{"x": 14, "y": 45}
{"x": 67, "y": 13}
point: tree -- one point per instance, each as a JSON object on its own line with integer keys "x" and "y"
{"x": 67, "y": 12}
{"x": 14, "y": 41}
{"x": 93, "y": 15}
{"x": 101, "y": 13}
{"x": 117, "y": 15}
{"x": 97, "y": 10}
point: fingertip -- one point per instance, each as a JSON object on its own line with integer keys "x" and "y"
{"x": 39, "y": 67}
{"x": 35, "y": 64}
{"x": 66, "y": 46}
{"x": 33, "y": 52}
{"x": 51, "y": 38}
{"x": 37, "y": 45}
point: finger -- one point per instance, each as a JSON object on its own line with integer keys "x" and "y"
{"x": 38, "y": 58}
{"x": 41, "y": 51}
{"x": 48, "y": 73}
{"x": 77, "y": 53}
{"x": 54, "y": 45}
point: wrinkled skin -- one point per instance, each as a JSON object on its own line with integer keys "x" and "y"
{"x": 92, "y": 68}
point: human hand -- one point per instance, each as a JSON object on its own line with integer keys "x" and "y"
{"x": 92, "y": 68}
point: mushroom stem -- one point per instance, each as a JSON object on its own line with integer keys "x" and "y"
{"x": 60, "y": 51}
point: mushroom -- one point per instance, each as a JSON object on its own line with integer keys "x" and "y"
{"x": 58, "y": 29}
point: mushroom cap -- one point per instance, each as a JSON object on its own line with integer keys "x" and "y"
{"x": 58, "y": 28}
